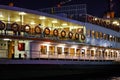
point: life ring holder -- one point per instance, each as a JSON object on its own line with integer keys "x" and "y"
{"x": 26, "y": 29}
{"x": 55, "y": 32}
{"x": 15, "y": 27}
{"x": 63, "y": 33}
{"x": 70, "y": 35}
{"x": 83, "y": 37}
{"x": 89, "y": 18}
{"x": 37, "y": 30}
{"x": 45, "y": 31}
{"x": 2, "y": 25}
{"x": 76, "y": 36}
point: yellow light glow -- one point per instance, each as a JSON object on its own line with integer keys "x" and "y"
{"x": 54, "y": 21}
{"x": 42, "y": 17}
{"x": 6, "y": 39}
{"x": 64, "y": 24}
{"x": 95, "y": 19}
{"x": 32, "y": 23}
{"x": 1, "y": 15}
{"x": 17, "y": 20}
{"x": 22, "y": 13}
{"x": 116, "y": 23}
{"x": 27, "y": 27}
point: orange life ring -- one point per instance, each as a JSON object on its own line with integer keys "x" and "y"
{"x": 70, "y": 35}
{"x": 83, "y": 37}
{"x": 2, "y": 25}
{"x": 27, "y": 28}
{"x": 63, "y": 33}
{"x": 77, "y": 36}
{"x": 90, "y": 18}
{"x": 37, "y": 30}
{"x": 47, "y": 31}
{"x": 55, "y": 32}
{"x": 14, "y": 26}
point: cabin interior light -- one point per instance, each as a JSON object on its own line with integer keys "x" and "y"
{"x": 6, "y": 39}
{"x": 64, "y": 24}
{"x": 54, "y": 21}
{"x": 95, "y": 19}
{"x": 32, "y": 23}
{"x": 22, "y": 13}
{"x": 17, "y": 20}
{"x": 115, "y": 23}
{"x": 27, "y": 27}
{"x": 110, "y": 36}
{"x": 42, "y": 17}
{"x": 1, "y": 15}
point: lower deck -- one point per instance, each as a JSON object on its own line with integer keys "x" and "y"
{"x": 20, "y": 49}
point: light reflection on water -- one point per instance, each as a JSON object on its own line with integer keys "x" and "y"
{"x": 89, "y": 77}
{"x": 115, "y": 78}
{"x": 82, "y": 77}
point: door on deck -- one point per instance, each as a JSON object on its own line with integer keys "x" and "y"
{"x": 11, "y": 49}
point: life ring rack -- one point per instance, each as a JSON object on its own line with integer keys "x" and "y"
{"x": 76, "y": 36}
{"x": 70, "y": 35}
{"x": 2, "y": 25}
{"x": 14, "y": 26}
{"x": 55, "y": 32}
{"x": 47, "y": 31}
{"x": 83, "y": 37}
{"x": 37, "y": 30}
{"x": 63, "y": 33}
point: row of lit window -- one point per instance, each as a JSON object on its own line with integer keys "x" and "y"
{"x": 100, "y": 35}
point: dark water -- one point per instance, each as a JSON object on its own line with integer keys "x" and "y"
{"x": 79, "y": 77}
{"x": 35, "y": 72}
{"x": 95, "y": 76}
{"x": 83, "y": 77}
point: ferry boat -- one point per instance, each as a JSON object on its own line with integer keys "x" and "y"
{"x": 57, "y": 45}
{"x": 39, "y": 36}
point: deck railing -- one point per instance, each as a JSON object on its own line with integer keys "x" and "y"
{"x": 37, "y": 55}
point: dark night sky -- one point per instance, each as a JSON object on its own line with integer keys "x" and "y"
{"x": 94, "y": 7}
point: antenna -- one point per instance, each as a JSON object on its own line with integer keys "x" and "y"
{"x": 111, "y": 5}
{"x": 11, "y": 4}
{"x": 63, "y": 2}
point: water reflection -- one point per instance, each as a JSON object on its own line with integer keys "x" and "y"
{"x": 115, "y": 78}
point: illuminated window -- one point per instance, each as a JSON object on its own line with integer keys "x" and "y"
{"x": 92, "y": 53}
{"x": 59, "y": 50}
{"x": 88, "y": 33}
{"x": 101, "y": 35}
{"x": 83, "y": 52}
{"x": 110, "y": 38}
{"x": 97, "y": 35}
{"x": 93, "y": 34}
{"x": 66, "y": 51}
{"x": 104, "y": 36}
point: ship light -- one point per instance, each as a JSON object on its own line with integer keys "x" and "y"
{"x": 6, "y": 39}
{"x": 22, "y": 13}
{"x": 54, "y": 21}
{"x": 1, "y": 15}
{"x": 32, "y": 23}
{"x": 27, "y": 27}
{"x": 64, "y": 24}
{"x": 115, "y": 23}
{"x": 95, "y": 19}
{"x": 17, "y": 20}
{"x": 42, "y": 17}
